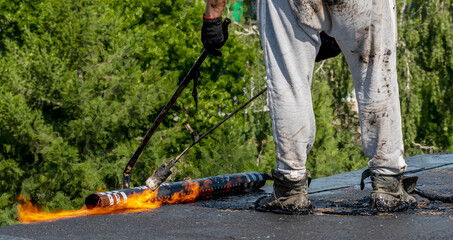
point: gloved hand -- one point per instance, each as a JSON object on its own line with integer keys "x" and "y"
{"x": 329, "y": 47}
{"x": 214, "y": 34}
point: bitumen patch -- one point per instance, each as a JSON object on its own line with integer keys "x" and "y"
{"x": 341, "y": 212}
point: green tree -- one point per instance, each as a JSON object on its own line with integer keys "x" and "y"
{"x": 82, "y": 81}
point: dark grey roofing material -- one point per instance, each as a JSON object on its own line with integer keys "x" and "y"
{"x": 232, "y": 218}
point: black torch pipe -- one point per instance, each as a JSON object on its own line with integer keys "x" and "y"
{"x": 209, "y": 187}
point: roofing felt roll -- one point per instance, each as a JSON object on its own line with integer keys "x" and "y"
{"x": 209, "y": 187}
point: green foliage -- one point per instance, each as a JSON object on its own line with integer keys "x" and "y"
{"x": 82, "y": 81}
{"x": 425, "y": 67}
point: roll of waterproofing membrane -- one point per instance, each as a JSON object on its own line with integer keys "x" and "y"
{"x": 209, "y": 187}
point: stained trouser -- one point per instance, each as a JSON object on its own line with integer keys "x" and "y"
{"x": 366, "y": 33}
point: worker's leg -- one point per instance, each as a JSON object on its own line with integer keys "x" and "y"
{"x": 289, "y": 53}
{"x": 366, "y": 33}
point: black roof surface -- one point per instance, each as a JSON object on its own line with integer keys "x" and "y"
{"x": 341, "y": 213}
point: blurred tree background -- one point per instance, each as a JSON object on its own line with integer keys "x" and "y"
{"x": 82, "y": 81}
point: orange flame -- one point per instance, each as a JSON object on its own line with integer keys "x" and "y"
{"x": 135, "y": 203}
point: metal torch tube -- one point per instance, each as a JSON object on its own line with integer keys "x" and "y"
{"x": 209, "y": 187}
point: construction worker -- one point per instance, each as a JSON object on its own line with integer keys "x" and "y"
{"x": 290, "y": 35}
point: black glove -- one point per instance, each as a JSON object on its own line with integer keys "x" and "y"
{"x": 214, "y": 34}
{"x": 329, "y": 47}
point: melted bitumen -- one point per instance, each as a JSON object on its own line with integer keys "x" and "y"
{"x": 343, "y": 207}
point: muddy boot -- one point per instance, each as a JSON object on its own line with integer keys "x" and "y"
{"x": 388, "y": 193}
{"x": 289, "y": 197}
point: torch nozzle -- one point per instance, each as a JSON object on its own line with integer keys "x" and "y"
{"x": 158, "y": 177}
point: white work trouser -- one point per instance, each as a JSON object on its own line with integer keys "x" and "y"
{"x": 366, "y": 33}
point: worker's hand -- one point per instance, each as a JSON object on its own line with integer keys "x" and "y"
{"x": 329, "y": 47}
{"x": 214, "y": 34}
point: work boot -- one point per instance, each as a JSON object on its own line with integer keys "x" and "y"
{"x": 289, "y": 197}
{"x": 389, "y": 195}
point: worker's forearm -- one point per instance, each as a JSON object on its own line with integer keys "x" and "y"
{"x": 214, "y": 8}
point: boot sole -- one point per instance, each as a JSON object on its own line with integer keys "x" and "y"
{"x": 382, "y": 206}
{"x": 303, "y": 211}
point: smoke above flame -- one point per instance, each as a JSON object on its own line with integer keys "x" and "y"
{"x": 146, "y": 200}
